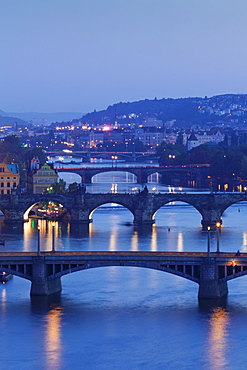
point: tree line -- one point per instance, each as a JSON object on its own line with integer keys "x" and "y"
{"x": 225, "y": 162}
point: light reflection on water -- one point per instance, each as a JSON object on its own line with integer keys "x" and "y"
{"x": 53, "y": 346}
{"x": 177, "y": 228}
{"x": 217, "y": 338}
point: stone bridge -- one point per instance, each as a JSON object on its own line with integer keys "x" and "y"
{"x": 188, "y": 175}
{"x": 45, "y": 270}
{"x": 143, "y": 206}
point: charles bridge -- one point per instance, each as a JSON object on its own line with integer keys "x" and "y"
{"x": 142, "y": 205}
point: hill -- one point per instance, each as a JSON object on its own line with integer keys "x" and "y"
{"x": 230, "y": 108}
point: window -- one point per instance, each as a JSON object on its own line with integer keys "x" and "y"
{"x": 1, "y": 169}
{"x": 2, "y": 184}
{"x": 2, "y": 192}
{"x": 14, "y": 185}
{"x": 8, "y": 184}
{"x": 8, "y": 191}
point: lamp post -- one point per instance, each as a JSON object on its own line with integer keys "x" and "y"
{"x": 209, "y": 228}
{"x": 114, "y": 160}
{"x": 218, "y": 236}
{"x": 53, "y": 235}
{"x": 38, "y": 230}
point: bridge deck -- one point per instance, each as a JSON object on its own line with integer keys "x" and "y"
{"x": 122, "y": 253}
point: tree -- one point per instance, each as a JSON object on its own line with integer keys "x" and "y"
{"x": 58, "y": 187}
{"x": 201, "y": 154}
{"x": 73, "y": 187}
{"x": 35, "y": 152}
{"x": 11, "y": 144}
{"x": 170, "y": 154}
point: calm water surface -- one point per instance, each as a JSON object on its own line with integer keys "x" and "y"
{"x": 122, "y": 317}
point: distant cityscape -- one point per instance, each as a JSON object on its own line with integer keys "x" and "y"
{"x": 140, "y": 126}
{"x": 209, "y": 132}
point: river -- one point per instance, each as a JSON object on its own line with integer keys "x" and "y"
{"x": 123, "y": 317}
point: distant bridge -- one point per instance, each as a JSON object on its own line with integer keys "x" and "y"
{"x": 186, "y": 175}
{"x": 143, "y": 206}
{"x": 44, "y": 271}
{"x": 87, "y": 155}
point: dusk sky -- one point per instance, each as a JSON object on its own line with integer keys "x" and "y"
{"x": 81, "y": 55}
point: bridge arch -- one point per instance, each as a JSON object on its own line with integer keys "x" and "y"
{"x": 175, "y": 200}
{"x": 129, "y": 176}
{"x": 235, "y": 274}
{"x": 39, "y": 198}
{"x": 103, "y": 203}
{"x": 142, "y": 264}
{"x": 69, "y": 177}
{"x": 231, "y": 203}
{"x": 16, "y": 273}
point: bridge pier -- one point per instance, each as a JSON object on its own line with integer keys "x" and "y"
{"x": 40, "y": 285}
{"x": 209, "y": 284}
{"x": 79, "y": 216}
{"x": 209, "y": 223}
{"x": 142, "y": 178}
{"x": 210, "y": 218}
{"x": 144, "y": 213}
{"x": 13, "y": 215}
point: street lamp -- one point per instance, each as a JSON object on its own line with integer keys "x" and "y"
{"x": 53, "y": 236}
{"x": 38, "y": 230}
{"x": 218, "y": 224}
{"x": 114, "y": 160}
{"x": 209, "y": 228}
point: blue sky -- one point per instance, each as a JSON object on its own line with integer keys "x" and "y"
{"x": 81, "y": 55}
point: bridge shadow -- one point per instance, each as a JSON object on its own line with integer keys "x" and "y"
{"x": 79, "y": 230}
{"x": 13, "y": 228}
{"x": 206, "y": 305}
{"x": 143, "y": 229}
{"x": 40, "y": 305}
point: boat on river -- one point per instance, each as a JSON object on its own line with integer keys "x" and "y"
{"x": 4, "y": 277}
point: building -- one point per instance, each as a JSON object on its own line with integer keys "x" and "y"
{"x": 39, "y": 178}
{"x": 204, "y": 137}
{"x": 192, "y": 141}
{"x": 9, "y": 177}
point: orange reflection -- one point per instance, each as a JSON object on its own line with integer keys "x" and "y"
{"x": 180, "y": 243}
{"x": 113, "y": 239}
{"x": 53, "y": 339}
{"x": 154, "y": 246}
{"x": 244, "y": 244}
{"x": 134, "y": 241}
{"x": 217, "y": 343}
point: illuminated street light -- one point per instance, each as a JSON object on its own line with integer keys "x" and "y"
{"x": 114, "y": 159}
{"x": 53, "y": 236}
{"x": 38, "y": 230}
{"x": 209, "y": 228}
{"x": 218, "y": 224}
